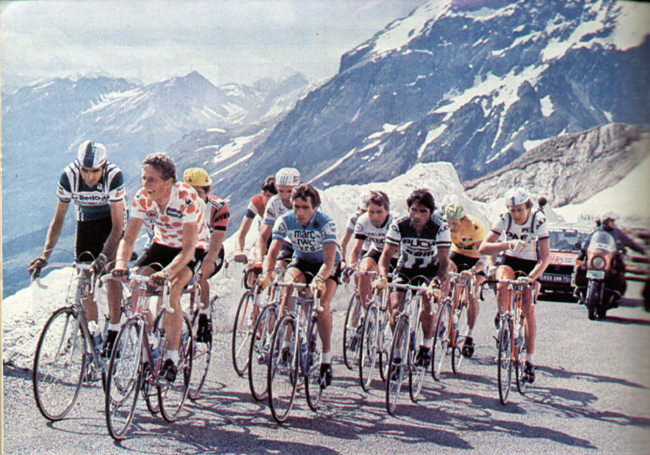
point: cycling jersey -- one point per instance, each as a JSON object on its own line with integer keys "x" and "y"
{"x": 374, "y": 237}
{"x": 255, "y": 207}
{"x": 217, "y": 214}
{"x": 274, "y": 208}
{"x": 466, "y": 240}
{"x": 91, "y": 203}
{"x": 535, "y": 227}
{"x": 351, "y": 223}
{"x": 307, "y": 241}
{"x": 418, "y": 251}
{"x": 184, "y": 206}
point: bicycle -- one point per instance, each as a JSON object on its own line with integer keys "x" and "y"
{"x": 407, "y": 337}
{"x": 375, "y": 338}
{"x": 67, "y": 353}
{"x": 354, "y": 320}
{"x": 451, "y": 325}
{"x": 262, "y": 335}
{"x": 128, "y": 372}
{"x": 295, "y": 354}
{"x": 511, "y": 341}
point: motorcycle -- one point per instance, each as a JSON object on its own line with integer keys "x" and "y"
{"x": 599, "y": 264}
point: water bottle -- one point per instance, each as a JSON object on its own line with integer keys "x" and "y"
{"x": 455, "y": 319}
{"x": 519, "y": 328}
{"x": 155, "y": 347}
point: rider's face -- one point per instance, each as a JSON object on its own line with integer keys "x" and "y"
{"x": 419, "y": 215}
{"x": 377, "y": 215}
{"x": 303, "y": 210}
{"x": 200, "y": 190}
{"x": 285, "y": 194}
{"x": 91, "y": 175}
{"x": 454, "y": 225}
{"x": 153, "y": 182}
{"x": 266, "y": 195}
{"x": 519, "y": 213}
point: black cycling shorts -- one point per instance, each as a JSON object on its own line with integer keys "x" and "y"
{"x": 311, "y": 269}
{"x": 519, "y": 265}
{"x": 376, "y": 254}
{"x": 462, "y": 262}
{"x": 159, "y": 256}
{"x": 217, "y": 264}
{"x": 414, "y": 277}
{"x": 286, "y": 253}
{"x": 90, "y": 238}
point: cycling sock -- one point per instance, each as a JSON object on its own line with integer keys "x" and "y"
{"x": 172, "y": 355}
{"x": 205, "y": 310}
{"x": 529, "y": 358}
{"x": 114, "y": 327}
{"x": 470, "y": 332}
{"x": 327, "y": 357}
{"x": 427, "y": 342}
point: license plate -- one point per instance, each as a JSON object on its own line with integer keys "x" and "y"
{"x": 556, "y": 278}
{"x": 597, "y": 274}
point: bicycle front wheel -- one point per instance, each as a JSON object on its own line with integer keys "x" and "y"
{"x": 241, "y": 333}
{"x": 201, "y": 356}
{"x": 313, "y": 386}
{"x": 440, "y": 339}
{"x": 398, "y": 364}
{"x": 520, "y": 354}
{"x": 283, "y": 369}
{"x": 504, "y": 359}
{"x": 461, "y": 336}
{"x": 351, "y": 332}
{"x": 417, "y": 367}
{"x": 260, "y": 351}
{"x": 59, "y": 364}
{"x": 368, "y": 348}
{"x": 123, "y": 378}
{"x": 172, "y": 395}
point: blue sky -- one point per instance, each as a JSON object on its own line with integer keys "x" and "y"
{"x": 227, "y": 40}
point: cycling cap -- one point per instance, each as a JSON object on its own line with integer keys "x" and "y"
{"x": 197, "y": 177}
{"x": 516, "y": 196}
{"x": 363, "y": 202}
{"x": 287, "y": 176}
{"x": 454, "y": 211}
{"x": 91, "y": 154}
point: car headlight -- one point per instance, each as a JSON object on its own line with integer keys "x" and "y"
{"x": 598, "y": 263}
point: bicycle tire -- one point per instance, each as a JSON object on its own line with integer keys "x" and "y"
{"x": 283, "y": 373}
{"x": 368, "y": 348}
{"x": 57, "y": 374}
{"x": 260, "y": 351}
{"x": 202, "y": 353}
{"x": 519, "y": 367}
{"x": 124, "y": 378}
{"x": 313, "y": 386}
{"x": 172, "y": 395}
{"x": 440, "y": 339}
{"x": 416, "y": 372}
{"x": 504, "y": 359}
{"x": 351, "y": 336}
{"x": 397, "y": 371}
{"x": 385, "y": 341}
{"x": 461, "y": 335}
{"x": 241, "y": 333}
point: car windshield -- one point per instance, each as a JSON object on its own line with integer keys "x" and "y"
{"x": 565, "y": 239}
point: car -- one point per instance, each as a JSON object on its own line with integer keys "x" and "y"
{"x": 557, "y": 279}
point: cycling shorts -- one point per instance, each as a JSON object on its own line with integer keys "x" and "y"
{"x": 462, "y": 262}
{"x": 414, "y": 277}
{"x": 311, "y": 269}
{"x": 159, "y": 256}
{"x": 376, "y": 254}
{"x": 519, "y": 265}
{"x": 286, "y": 253}
{"x": 217, "y": 264}
{"x": 90, "y": 238}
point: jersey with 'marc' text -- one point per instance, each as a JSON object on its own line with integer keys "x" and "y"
{"x": 91, "y": 203}
{"x": 307, "y": 241}
{"x": 418, "y": 251}
{"x": 533, "y": 230}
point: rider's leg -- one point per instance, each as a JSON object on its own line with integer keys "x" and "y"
{"x": 325, "y": 317}
{"x": 174, "y": 321}
{"x": 504, "y": 272}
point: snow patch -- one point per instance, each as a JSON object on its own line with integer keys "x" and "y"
{"x": 547, "y": 106}
{"x": 431, "y": 136}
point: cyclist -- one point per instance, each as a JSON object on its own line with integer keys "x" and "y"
{"x": 423, "y": 241}
{"x": 315, "y": 261}
{"x": 466, "y": 236}
{"x": 371, "y": 227}
{"x": 362, "y": 207}
{"x": 523, "y": 235}
{"x": 97, "y": 188}
{"x": 216, "y": 217}
{"x": 179, "y": 241}
{"x": 256, "y": 207}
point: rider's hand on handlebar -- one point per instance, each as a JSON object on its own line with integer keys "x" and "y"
{"x": 264, "y": 280}
{"x": 158, "y": 278}
{"x": 120, "y": 274}
{"x": 380, "y": 283}
{"x": 98, "y": 264}
{"x": 465, "y": 275}
{"x": 35, "y": 266}
{"x": 318, "y": 285}
{"x": 525, "y": 280}
{"x": 240, "y": 257}
{"x": 434, "y": 289}
{"x": 257, "y": 266}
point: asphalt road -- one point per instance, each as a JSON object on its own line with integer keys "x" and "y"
{"x": 592, "y": 395}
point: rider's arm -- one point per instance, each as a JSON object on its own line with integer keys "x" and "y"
{"x": 329, "y": 258}
{"x": 265, "y": 234}
{"x": 384, "y": 260}
{"x": 628, "y": 242}
{"x": 274, "y": 250}
{"x": 240, "y": 242}
{"x": 355, "y": 254}
{"x": 347, "y": 235}
{"x": 190, "y": 237}
{"x": 491, "y": 245}
{"x": 542, "y": 262}
{"x": 214, "y": 247}
{"x": 443, "y": 264}
{"x": 117, "y": 221}
{"x": 125, "y": 247}
{"x": 54, "y": 231}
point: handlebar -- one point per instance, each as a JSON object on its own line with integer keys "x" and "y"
{"x": 142, "y": 281}
{"x": 317, "y": 305}
{"x": 517, "y": 285}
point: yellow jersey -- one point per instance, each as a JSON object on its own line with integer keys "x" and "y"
{"x": 466, "y": 240}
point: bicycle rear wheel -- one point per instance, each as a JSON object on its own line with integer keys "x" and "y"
{"x": 59, "y": 364}
{"x": 504, "y": 359}
{"x": 384, "y": 342}
{"x": 368, "y": 347}
{"x": 461, "y": 336}
{"x": 123, "y": 378}
{"x": 351, "y": 333}
{"x": 260, "y": 351}
{"x": 241, "y": 333}
{"x": 398, "y": 364}
{"x": 313, "y": 386}
{"x": 416, "y": 371}
{"x": 283, "y": 369}
{"x": 440, "y": 339}
{"x": 172, "y": 395}
{"x": 202, "y": 353}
